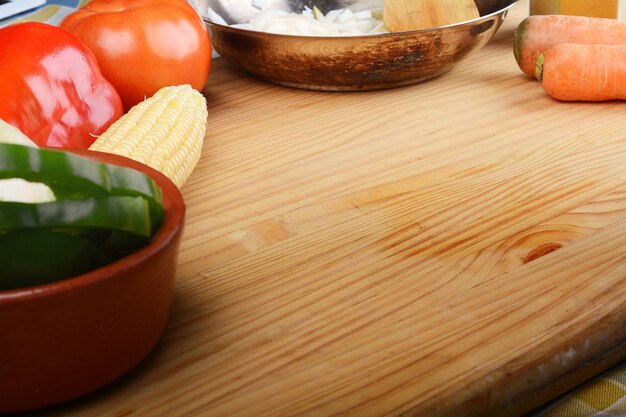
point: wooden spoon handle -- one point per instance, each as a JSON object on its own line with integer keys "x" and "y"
{"x": 405, "y": 15}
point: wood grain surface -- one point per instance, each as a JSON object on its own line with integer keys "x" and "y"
{"x": 452, "y": 248}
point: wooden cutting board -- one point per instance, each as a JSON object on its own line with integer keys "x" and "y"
{"x": 452, "y": 248}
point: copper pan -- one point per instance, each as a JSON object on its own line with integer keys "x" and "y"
{"x": 354, "y": 63}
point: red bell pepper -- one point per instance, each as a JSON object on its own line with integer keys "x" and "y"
{"x": 51, "y": 87}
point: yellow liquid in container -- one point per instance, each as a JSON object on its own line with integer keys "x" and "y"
{"x": 614, "y": 9}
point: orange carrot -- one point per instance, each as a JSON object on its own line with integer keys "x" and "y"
{"x": 577, "y": 72}
{"x": 537, "y": 34}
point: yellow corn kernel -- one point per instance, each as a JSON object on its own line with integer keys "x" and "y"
{"x": 165, "y": 132}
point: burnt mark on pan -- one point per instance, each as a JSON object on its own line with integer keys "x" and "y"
{"x": 482, "y": 27}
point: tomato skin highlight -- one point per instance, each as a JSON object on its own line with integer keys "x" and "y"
{"x": 144, "y": 45}
{"x": 52, "y": 88}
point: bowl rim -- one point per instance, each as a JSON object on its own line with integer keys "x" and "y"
{"x": 362, "y": 37}
{"x": 173, "y": 221}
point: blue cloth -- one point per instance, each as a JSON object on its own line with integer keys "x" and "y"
{"x": 52, "y": 12}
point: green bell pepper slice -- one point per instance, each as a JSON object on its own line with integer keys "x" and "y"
{"x": 125, "y": 214}
{"x": 35, "y": 257}
{"x": 73, "y": 177}
{"x": 102, "y": 212}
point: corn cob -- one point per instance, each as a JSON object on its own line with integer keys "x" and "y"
{"x": 165, "y": 132}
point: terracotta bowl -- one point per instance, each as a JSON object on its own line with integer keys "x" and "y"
{"x": 357, "y": 62}
{"x": 61, "y": 340}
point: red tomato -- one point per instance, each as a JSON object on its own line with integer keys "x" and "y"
{"x": 143, "y": 45}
